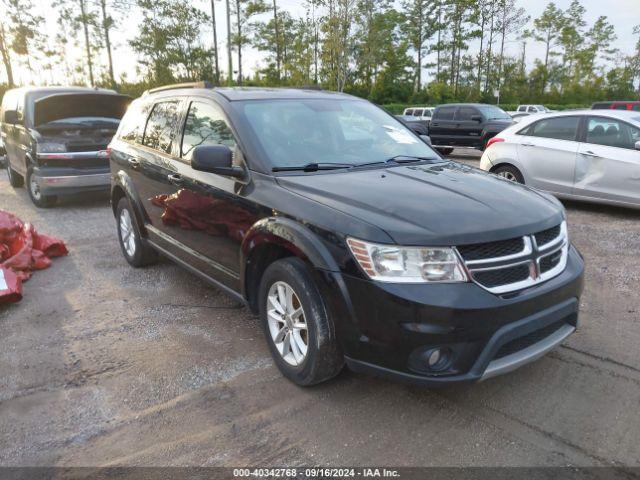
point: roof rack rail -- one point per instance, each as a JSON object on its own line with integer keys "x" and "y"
{"x": 180, "y": 85}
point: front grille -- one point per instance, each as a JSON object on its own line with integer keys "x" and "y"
{"x": 548, "y": 235}
{"x": 525, "y": 341}
{"x": 87, "y": 148}
{"x": 550, "y": 261}
{"x": 517, "y": 263}
{"x": 481, "y": 251}
{"x": 503, "y": 276}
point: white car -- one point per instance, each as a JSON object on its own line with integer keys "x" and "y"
{"x": 418, "y": 113}
{"x": 581, "y": 155}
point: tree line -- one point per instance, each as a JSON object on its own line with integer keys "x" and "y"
{"x": 389, "y": 51}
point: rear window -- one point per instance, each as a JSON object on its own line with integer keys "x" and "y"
{"x": 559, "y": 128}
{"x": 445, "y": 113}
{"x": 161, "y": 126}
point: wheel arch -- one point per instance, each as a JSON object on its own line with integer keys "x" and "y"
{"x": 271, "y": 239}
{"x": 122, "y": 186}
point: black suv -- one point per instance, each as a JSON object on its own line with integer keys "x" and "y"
{"x": 56, "y": 138}
{"x": 467, "y": 125}
{"x": 353, "y": 240}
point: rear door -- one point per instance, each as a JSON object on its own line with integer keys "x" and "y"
{"x": 547, "y": 152}
{"x": 467, "y": 131}
{"x": 608, "y": 165}
{"x": 442, "y": 127}
{"x": 155, "y": 165}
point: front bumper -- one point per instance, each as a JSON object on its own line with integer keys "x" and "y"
{"x": 68, "y": 180}
{"x": 390, "y": 327}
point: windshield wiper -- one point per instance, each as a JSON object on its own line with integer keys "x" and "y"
{"x": 399, "y": 159}
{"x": 312, "y": 167}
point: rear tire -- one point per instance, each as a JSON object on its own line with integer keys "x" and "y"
{"x": 39, "y": 199}
{"x": 509, "y": 172}
{"x": 296, "y": 324}
{"x": 15, "y": 179}
{"x": 135, "y": 249}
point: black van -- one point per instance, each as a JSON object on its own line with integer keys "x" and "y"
{"x": 56, "y": 139}
{"x": 354, "y": 241}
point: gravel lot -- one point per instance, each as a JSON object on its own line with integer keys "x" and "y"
{"x": 101, "y": 364}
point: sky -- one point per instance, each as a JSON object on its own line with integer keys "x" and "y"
{"x": 623, "y": 14}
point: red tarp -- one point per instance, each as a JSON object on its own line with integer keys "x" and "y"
{"x": 22, "y": 250}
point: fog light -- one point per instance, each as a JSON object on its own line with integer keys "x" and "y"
{"x": 437, "y": 358}
{"x": 434, "y": 358}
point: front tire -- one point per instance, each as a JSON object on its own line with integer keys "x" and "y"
{"x": 135, "y": 250}
{"x": 509, "y": 172}
{"x": 296, "y": 324}
{"x": 15, "y": 179}
{"x": 38, "y": 198}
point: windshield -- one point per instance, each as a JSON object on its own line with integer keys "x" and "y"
{"x": 493, "y": 113}
{"x": 346, "y": 132}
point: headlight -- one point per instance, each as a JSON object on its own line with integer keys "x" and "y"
{"x": 51, "y": 148}
{"x": 390, "y": 263}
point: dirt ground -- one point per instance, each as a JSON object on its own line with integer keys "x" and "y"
{"x": 101, "y": 365}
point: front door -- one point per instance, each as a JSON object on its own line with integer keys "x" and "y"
{"x": 547, "y": 150}
{"x": 208, "y": 214}
{"x": 608, "y": 165}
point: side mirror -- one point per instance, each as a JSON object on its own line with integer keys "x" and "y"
{"x": 3, "y": 150}
{"x": 11, "y": 117}
{"x": 476, "y": 118}
{"x": 216, "y": 159}
{"x": 637, "y": 145}
{"x": 426, "y": 139}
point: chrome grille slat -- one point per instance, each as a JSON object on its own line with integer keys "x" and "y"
{"x": 490, "y": 272}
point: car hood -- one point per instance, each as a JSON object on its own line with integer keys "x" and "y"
{"x": 70, "y": 105}
{"x": 441, "y": 204}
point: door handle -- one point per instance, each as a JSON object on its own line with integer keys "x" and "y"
{"x": 435, "y": 124}
{"x": 589, "y": 153}
{"x": 527, "y": 144}
{"x": 175, "y": 178}
{"x": 133, "y": 163}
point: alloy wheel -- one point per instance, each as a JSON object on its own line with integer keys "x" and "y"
{"x": 127, "y": 233}
{"x": 287, "y": 323}
{"x": 35, "y": 189}
{"x": 508, "y": 175}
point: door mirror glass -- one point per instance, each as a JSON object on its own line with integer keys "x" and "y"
{"x": 216, "y": 159}
{"x": 476, "y": 118}
{"x": 11, "y": 117}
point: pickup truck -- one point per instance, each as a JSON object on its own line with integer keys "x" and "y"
{"x": 466, "y": 125}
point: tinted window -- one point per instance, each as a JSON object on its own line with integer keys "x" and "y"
{"x": 408, "y": 111}
{"x": 560, "y": 128}
{"x": 522, "y": 108}
{"x": 445, "y": 113}
{"x": 465, "y": 113}
{"x": 205, "y": 126}
{"x": 533, "y": 109}
{"x": 132, "y": 125}
{"x": 612, "y": 133}
{"x": 161, "y": 125}
{"x": 493, "y": 113}
{"x": 417, "y": 112}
